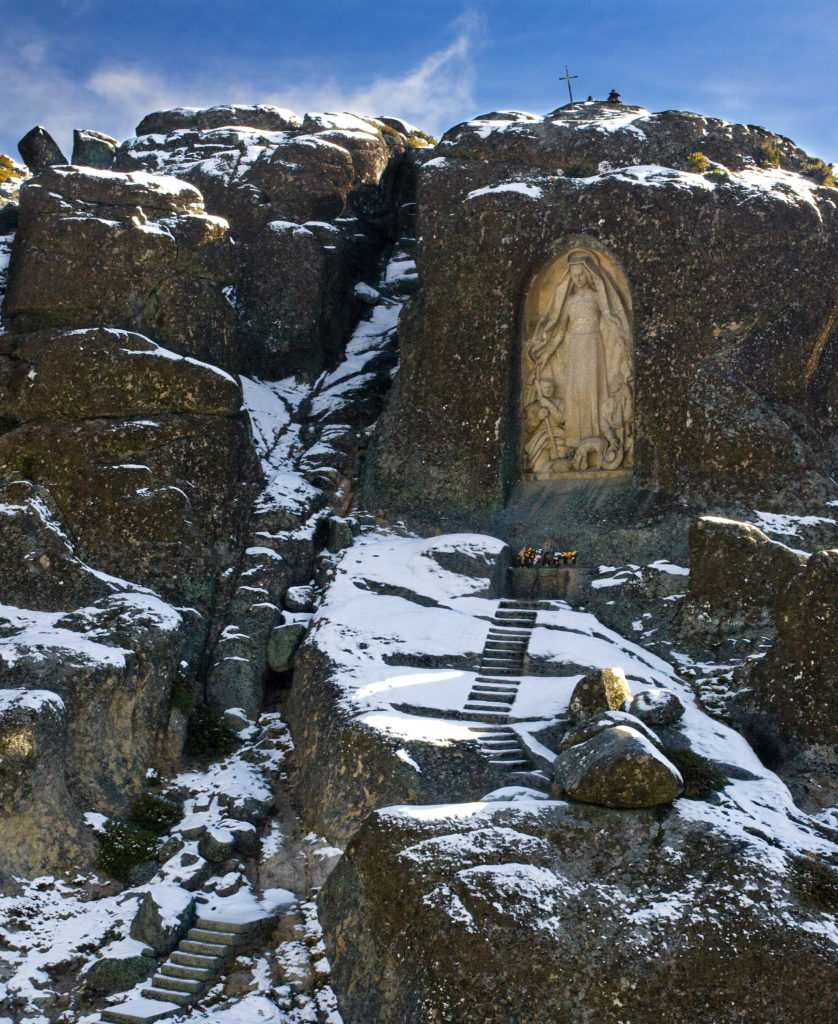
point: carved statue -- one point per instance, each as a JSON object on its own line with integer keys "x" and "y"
{"x": 578, "y": 372}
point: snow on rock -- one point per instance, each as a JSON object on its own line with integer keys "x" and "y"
{"x": 521, "y": 187}
{"x": 788, "y": 525}
{"x": 652, "y": 175}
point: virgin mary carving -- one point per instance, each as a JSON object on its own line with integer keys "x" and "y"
{"x": 578, "y": 368}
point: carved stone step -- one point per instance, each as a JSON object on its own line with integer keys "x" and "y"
{"x": 204, "y": 948}
{"x": 484, "y": 717}
{"x": 195, "y": 960}
{"x": 225, "y": 938}
{"x": 167, "y": 995}
{"x": 139, "y": 1011}
{"x": 209, "y": 925}
{"x": 171, "y": 983}
{"x": 175, "y": 970}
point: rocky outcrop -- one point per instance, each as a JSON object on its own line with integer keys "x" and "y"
{"x": 794, "y": 682}
{"x": 133, "y": 251}
{"x": 553, "y": 911}
{"x": 113, "y": 663}
{"x": 731, "y": 284}
{"x": 346, "y": 767}
{"x": 737, "y": 576}
{"x": 41, "y": 828}
{"x": 142, "y": 450}
{"x": 311, "y": 201}
{"x": 110, "y": 652}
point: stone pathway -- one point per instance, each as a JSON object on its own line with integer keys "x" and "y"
{"x": 493, "y": 694}
{"x": 186, "y": 974}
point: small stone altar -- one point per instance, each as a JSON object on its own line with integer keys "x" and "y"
{"x": 539, "y": 583}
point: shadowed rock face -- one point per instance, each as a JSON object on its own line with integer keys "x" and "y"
{"x": 41, "y": 829}
{"x": 143, "y": 451}
{"x": 732, "y": 281}
{"x": 122, "y": 250}
{"x": 567, "y": 912}
{"x": 737, "y": 576}
{"x": 795, "y": 682}
{"x": 310, "y": 203}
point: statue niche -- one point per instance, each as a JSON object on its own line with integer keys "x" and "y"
{"x": 578, "y": 367}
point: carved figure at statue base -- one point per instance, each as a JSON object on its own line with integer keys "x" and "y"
{"x": 578, "y": 400}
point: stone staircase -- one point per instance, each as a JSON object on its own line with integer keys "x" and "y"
{"x": 496, "y": 686}
{"x": 190, "y": 969}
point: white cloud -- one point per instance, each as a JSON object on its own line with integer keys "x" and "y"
{"x": 433, "y": 94}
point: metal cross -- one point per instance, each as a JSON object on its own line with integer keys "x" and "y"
{"x": 567, "y": 77}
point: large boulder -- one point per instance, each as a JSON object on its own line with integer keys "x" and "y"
{"x": 737, "y": 576}
{"x": 541, "y": 913}
{"x": 163, "y": 918}
{"x": 617, "y": 767}
{"x": 135, "y": 251}
{"x": 40, "y": 150}
{"x": 41, "y": 828}
{"x": 795, "y": 682}
{"x": 93, "y": 149}
{"x": 725, "y": 283}
{"x": 603, "y": 689}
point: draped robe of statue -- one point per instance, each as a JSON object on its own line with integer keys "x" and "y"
{"x": 578, "y": 402}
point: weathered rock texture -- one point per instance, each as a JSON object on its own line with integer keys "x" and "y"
{"x": 737, "y": 576}
{"x": 41, "y": 829}
{"x": 134, "y": 251}
{"x": 604, "y": 689}
{"x": 346, "y": 768}
{"x": 795, "y": 681}
{"x": 311, "y": 201}
{"x": 143, "y": 451}
{"x": 568, "y": 912}
{"x": 733, "y": 281}
{"x": 617, "y": 767}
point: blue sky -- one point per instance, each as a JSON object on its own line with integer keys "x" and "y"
{"x": 104, "y": 63}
